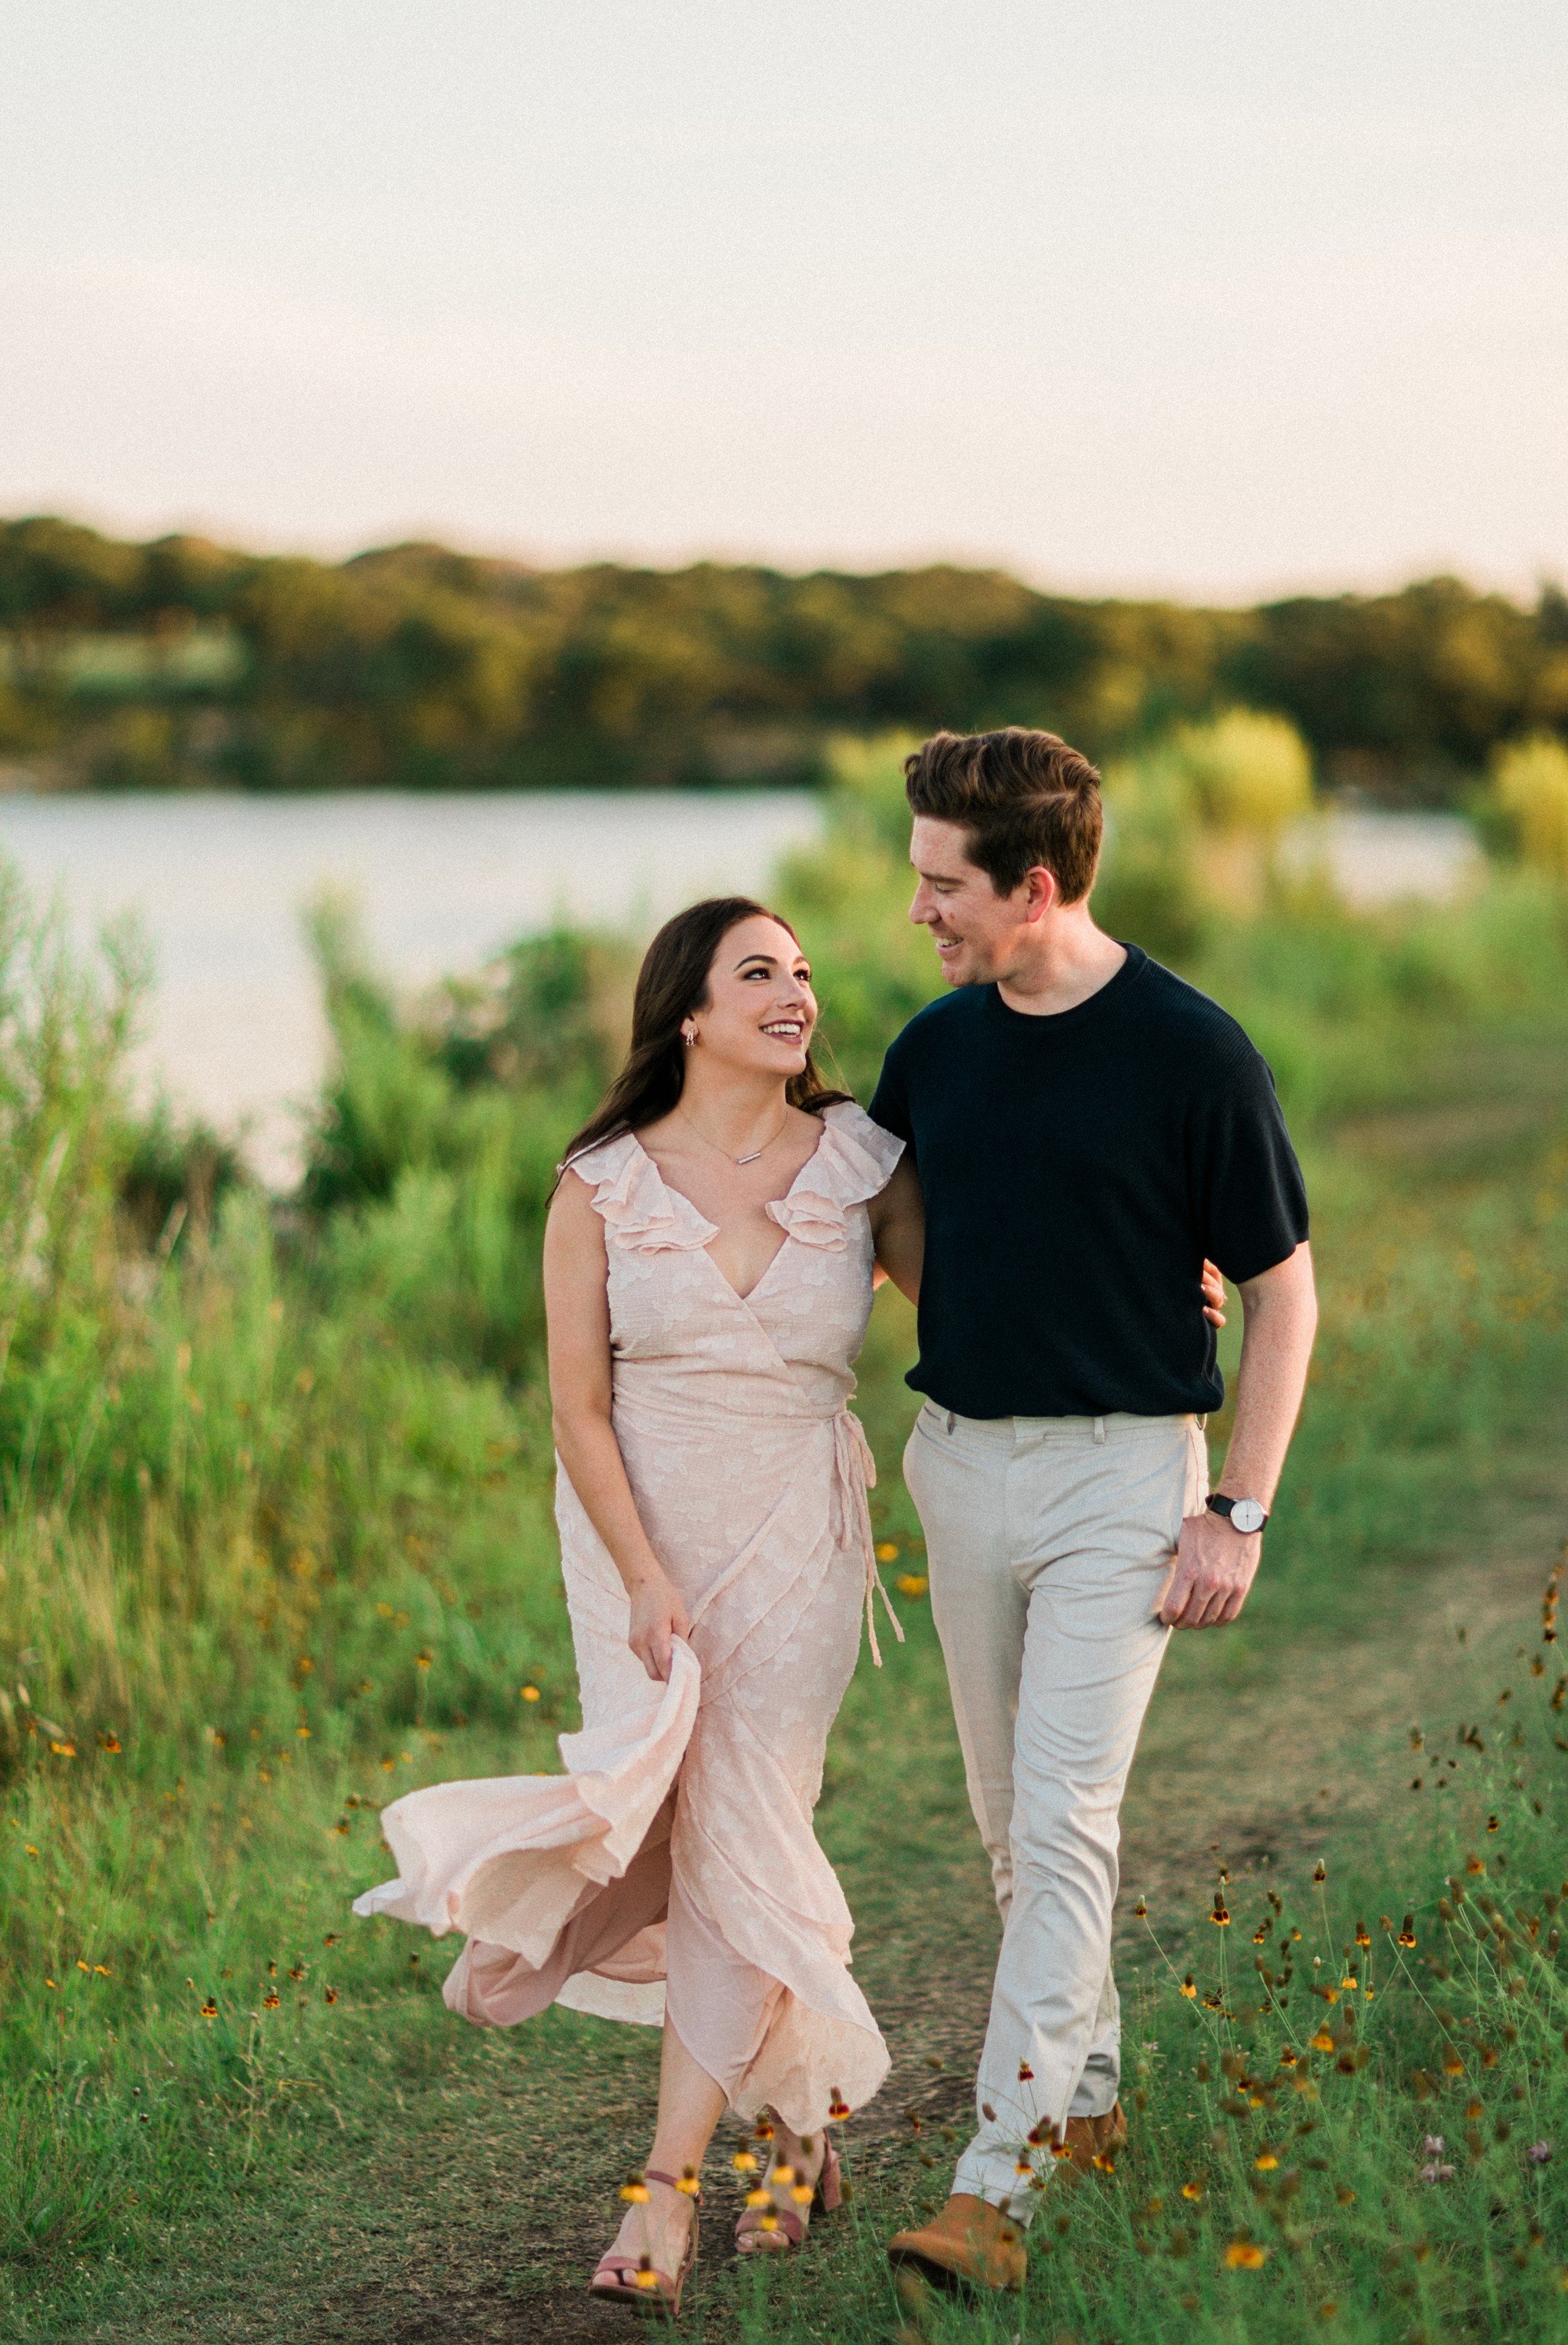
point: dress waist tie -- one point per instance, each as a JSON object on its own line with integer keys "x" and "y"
{"x": 857, "y": 1470}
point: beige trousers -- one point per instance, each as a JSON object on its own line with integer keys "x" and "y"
{"x": 1049, "y": 1542}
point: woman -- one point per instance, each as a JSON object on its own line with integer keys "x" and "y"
{"x": 709, "y": 1265}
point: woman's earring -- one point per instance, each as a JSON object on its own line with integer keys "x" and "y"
{"x": 689, "y": 1036}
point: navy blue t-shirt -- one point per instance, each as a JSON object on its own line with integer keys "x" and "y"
{"x": 1076, "y": 1170}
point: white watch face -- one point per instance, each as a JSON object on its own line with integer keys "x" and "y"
{"x": 1248, "y": 1516}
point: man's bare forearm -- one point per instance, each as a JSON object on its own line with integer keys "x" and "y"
{"x": 1280, "y": 1318}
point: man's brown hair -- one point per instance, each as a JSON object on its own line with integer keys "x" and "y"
{"x": 1022, "y": 797}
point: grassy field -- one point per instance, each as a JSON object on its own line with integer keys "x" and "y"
{"x": 277, "y": 1545}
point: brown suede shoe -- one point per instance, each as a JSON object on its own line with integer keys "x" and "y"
{"x": 1093, "y": 2143}
{"x": 969, "y": 2242}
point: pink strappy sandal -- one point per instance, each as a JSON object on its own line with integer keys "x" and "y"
{"x": 633, "y": 2279}
{"x": 789, "y": 2225}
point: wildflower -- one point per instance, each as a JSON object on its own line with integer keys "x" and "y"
{"x": 1538, "y": 2152}
{"x": 63, "y": 1750}
{"x": 1452, "y": 2065}
{"x": 528, "y": 1693}
{"x": 331, "y": 1996}
{"x": 209, "y": 2008}
{"x": 1261, "y": 1934}
{"x": 1104, "y": 2161}
{"x": 1473, "y": 1864}
{"x": 763, "y": 2129}
{"x": 1493, "y": 1825}
{"x": 1322, "y": 2041}
{"x": 1363, "y": 1937}
{"x": 1345, "y": 2194}
{"x": 111, "y": 1743}
{"x": 100, "y": 1970}
{"x": 53, "y": 1983}
{"x": 837, "y": 2106}
{"x": 1406, "y": 1937}
{"x": 1288, "y": 2058}
{"x": 757, "y": 2196}
{"x": 1140, "y": 1911}
{"x": 688, "y": 2185}
{"x": 646, "y": 2275}
{"x": 744, "y": 2162}
{"x": 1266, "y": 2162}
{"x": 331, "y": 1939}
{"x": 1435, "y": 2173}
{"x": 912, "y": 1583}
{"x": 803, "y": 2193}
{"x": 423, "y": 1660}
{"x": 888, "y": 1552}
{"x": 635, "y": 2190}
{"x": 1245, "y": 2255}
{"x": 1193, "y": 2189}
{"x": 1025, "y": 2073}
{"x": 1220, "y": 1917}
{"x": 1023, "y": 2166}
{"x": 1319, "y": 1871}
{"x": 269, "y": 2000}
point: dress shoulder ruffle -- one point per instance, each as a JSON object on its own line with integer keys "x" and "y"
{"x": 854, "y": 1163}
{"x": 639, "y": 1211}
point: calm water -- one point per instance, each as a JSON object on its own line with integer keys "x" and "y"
{"x": 235, "y": 1030}
{"x": 219, "y": 883}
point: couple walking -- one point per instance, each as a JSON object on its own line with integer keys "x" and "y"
{"x": 1052, "y": 1154}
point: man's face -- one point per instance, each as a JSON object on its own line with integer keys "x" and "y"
{"x": 976, "y": 932}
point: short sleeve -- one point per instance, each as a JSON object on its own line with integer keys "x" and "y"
{"x": 890, "y": 1106}
{"x": 1249, "y": 1194}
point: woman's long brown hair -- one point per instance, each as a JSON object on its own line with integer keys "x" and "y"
{"x": 671, "y": 984}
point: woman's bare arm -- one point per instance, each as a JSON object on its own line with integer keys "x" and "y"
{"x": 577, "y": 1310}
{"x": 898, "y": 1226}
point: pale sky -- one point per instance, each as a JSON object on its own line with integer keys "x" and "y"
{"x": 1216, "y": 296}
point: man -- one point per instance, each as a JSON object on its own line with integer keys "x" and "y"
{"x": 1086, "y": 1128}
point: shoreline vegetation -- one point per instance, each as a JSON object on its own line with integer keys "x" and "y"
{"x": 275, "y": 1545}
{"x": 185, "y": 664}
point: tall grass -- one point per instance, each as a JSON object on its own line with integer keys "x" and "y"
{"x": 275, "y": 1542}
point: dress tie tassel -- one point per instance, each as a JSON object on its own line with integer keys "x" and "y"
{"x": 856, "y": 1469}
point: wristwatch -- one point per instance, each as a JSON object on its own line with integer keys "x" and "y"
{"x": 1243, "y": 1515}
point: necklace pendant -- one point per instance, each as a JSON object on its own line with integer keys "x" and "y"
{"x": 752, "y": 1158}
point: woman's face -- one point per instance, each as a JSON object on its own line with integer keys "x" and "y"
{"x": 760, "y": 1010}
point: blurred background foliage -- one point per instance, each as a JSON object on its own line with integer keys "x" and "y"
{"x": 182, "y": 662}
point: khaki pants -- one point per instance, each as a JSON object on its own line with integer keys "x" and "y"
{"x": 1049, "y": 1542}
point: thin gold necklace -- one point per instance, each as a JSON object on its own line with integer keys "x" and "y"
{"x": 736, "y": 1161}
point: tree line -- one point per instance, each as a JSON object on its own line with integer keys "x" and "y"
{"x": 182, "y": 662}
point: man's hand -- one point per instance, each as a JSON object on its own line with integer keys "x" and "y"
{"x": 1214, "y": 1567}
{"x": 1213, "y": 1287}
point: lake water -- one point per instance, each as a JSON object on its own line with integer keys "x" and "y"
{"x": 234, "y": 1030}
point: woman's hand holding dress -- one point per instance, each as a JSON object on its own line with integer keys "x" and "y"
{"x": 658, "y": 1615}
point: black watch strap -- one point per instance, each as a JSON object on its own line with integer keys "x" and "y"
{"x": 1218, "y": 1504}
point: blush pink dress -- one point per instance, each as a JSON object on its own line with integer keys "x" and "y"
{"x": 673, "y": 1865}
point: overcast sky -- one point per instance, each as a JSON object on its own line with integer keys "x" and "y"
{"x": 1217, "y": 296}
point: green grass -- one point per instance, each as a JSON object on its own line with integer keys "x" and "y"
{"x": 276, "y": 1544}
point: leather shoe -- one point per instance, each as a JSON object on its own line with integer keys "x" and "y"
{"x": 1093, "y": 2143}
{"x": 969, "y": 2242}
